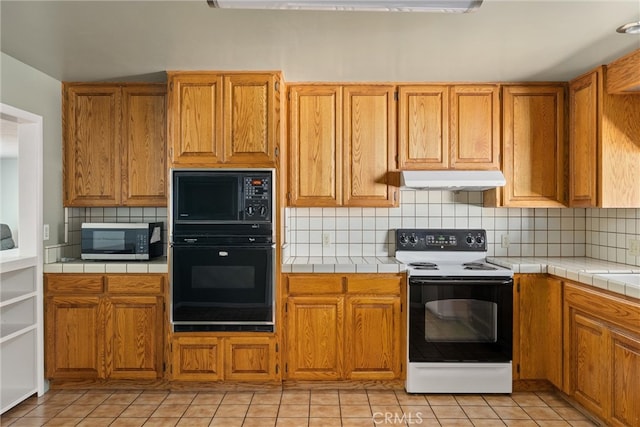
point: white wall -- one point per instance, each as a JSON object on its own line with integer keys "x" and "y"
{"x": 24, "y": 87}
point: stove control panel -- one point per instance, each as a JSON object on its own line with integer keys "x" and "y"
{"x": 413, "y": 239}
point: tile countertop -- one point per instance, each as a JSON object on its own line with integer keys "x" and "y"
{"x": 340, "y": 264}
{"x": 579, "y": 269}
{"x": 158, "y": 265}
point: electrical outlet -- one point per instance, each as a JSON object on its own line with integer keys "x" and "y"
{"x": 634, "y": 247}
{"x": 505, "y": 241}
{"x": 45, "y": 232}
{"x": 326, "y": 240}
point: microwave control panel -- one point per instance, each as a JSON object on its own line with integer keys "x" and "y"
{"x": 257, "y": 197}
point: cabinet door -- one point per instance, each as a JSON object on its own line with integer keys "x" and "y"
{"x": 369, "y": 145}
{"x": 91, "y": 131}
{"x": 196, "y": 358}
{"x": 372, "y": 339}
{"x": 249, "y": 118}
{"x": 315, "y": 144}
{"x": 584, "y": 139}
{"x": 589, "y": 363}
{"x": 537, "y": 350}
{"x": 250, "y": 359}
{"x": 533, "y": 146}
{"x": 195, "y": 119}
{"x": 314, "y": 340}
{"x": 74, "y": 338}
{"x": 423, "y": 127}
{"x": 475, "y": 127}
{"x": 134, "y": 337}
{"x": 625, "y": 407}
{"x": 144, "y": 170}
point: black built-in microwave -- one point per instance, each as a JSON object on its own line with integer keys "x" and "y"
{"x": 222, "y": 202}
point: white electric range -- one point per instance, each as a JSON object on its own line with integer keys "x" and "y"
{"x": 460, "y": 315}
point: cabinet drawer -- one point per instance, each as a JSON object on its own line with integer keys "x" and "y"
{"x": 374, "y": 284}
{"x": 134, "y": 284}
{"x": 314, "y": 284}
{"x": 74, "y": 283}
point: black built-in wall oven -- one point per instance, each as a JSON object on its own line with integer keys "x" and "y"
{"x": 222, "y": 253}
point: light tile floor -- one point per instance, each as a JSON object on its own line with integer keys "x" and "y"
{"x": 297, "y": 408}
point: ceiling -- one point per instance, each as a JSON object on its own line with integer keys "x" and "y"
{"x": 513, "y": 40}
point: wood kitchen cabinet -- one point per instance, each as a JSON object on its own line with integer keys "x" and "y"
{"x": 224, "y": 356}
{"x": 342, "y": 145}
{"x": 449, "y": 127}
{"x": 104, "y": 326}
{"x": 423, "y": 127}
{"x": 344, "y": 327}
{"x": 534, "y": 145}
{"x": 623, "y": 74}
{"x": 224, "y": 119}
{"x": 114, "y": 144}
{"x": 604, "y": 144}
{"x": 537, "y": 328}
{"x": 474, "y": 135}
{"x": 602, "y": 353}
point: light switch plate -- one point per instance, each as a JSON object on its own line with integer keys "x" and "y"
{"x": 634, "y": 247}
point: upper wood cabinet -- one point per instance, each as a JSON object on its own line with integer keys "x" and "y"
{"x": 315, "y": 145}
{"x": 449, "y": 127}
{"x": 224, "y": 119}
{"x": 474, "y": 135}
{"x": 114, "y": 144}
{"x": 534, "y": 145}
{"x": 623, "y": 74}
{"x": 604, "y": 144}
{"x": 423, "y": 127}
{"x": 342, "y": 145}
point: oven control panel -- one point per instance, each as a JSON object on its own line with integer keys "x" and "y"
{"x": 412, "y": 239}
{"x": 257, "y": 197}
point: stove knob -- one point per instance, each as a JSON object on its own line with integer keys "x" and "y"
{"x": 413, "y": 240}
{"x": 469, "y": 240}
{"x": 403, "y": 240}
{"x": 479, "y": 240}
{"x": 250, "y": 210}
{"x": 263, "y": 210}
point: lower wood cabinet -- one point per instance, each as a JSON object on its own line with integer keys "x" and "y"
{"x": 602, "y": 354}
{"x": 203, "y": 357}
{"x": 104, "y": 326}
{"x": 344, "y": 327}
{"x": 537, "y": 331}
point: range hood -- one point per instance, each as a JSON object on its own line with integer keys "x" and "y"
{"x": 442, "y": 6}
{"x": 458, "y": 180}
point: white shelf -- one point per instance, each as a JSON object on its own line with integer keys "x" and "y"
{"x": 11, "y": 331}
{"x": 11, "y": 297}
{"x": 16, "y": 262}
{"x": 19, "y": 378}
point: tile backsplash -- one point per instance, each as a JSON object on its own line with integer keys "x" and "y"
{"x": 598, "y": 233}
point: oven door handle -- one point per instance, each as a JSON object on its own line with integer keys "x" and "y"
{"x": 413, "y": 281}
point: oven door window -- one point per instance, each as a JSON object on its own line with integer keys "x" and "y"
{"x": 461, "y": 321}
{"x": 222, "y": 284}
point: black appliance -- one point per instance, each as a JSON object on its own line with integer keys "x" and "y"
{"x": 460, "y": 316}
{"x": 222, "y": 253}
{"x": 121, "y": 241}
